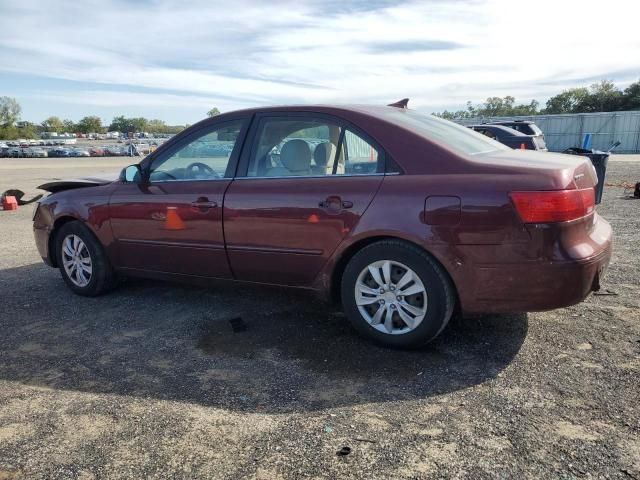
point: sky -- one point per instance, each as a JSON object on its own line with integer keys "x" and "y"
{"x": 175, "y": 60}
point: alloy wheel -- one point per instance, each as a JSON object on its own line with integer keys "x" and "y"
{"x": 391, "y": 297}
{"x": 76, "y": 260}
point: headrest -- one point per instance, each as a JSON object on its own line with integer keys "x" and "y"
{"x": 295, "y": 155}
{"x": 322, "y": 153}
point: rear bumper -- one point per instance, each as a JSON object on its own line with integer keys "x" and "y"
{"x": 531, "y": 286}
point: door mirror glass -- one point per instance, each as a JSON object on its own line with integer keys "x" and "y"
{"x": 131, "y": 174}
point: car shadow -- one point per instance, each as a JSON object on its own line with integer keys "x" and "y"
{"x": 231, "y": 346}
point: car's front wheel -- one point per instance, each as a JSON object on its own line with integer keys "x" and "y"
{"x": 396, "y": 294}
{"x": 82, "y": 261}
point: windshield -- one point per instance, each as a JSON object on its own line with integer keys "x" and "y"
{"x": 446, "y": 133}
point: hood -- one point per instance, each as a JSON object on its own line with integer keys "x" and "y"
{"x": 58, "y": 185}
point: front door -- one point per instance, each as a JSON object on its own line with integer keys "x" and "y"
{"x": 300, "y": 191}
{"x": 172, "y": 221}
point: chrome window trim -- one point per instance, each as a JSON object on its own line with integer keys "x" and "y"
{"x": 190, "y": 180}
{"x": 319, "y": 176}
{"x": 279, "y": 178}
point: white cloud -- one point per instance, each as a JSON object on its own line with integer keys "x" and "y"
{"x": 439, "y": 53}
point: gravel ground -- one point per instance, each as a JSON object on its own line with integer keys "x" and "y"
{"x": 152, "y": 381}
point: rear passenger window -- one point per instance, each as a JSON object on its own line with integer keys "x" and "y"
{"x": 359, "y": 156}
{"x": 308, "y": 147}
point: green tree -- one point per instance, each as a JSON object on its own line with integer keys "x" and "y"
{"x": 26, "y": 130}
{"x": 69, "y": 126}
{"x": 604, "y": 97}
{"x": 118, "y": 124}
{"x": 569, "y": 101}
{"x": 53, "y": 124}
{"x": 631, "y": 97}
{"x": 9, "y": 114}
{"x": 138, "y": 124}
{"x": 156, "y": 126}
{"x": 10, "y": 111}
{"x": 91, "y": 124}
{"x": 126, "y": 125}
{"x": 213, "y": 112}
{"x": 526, "y": 109}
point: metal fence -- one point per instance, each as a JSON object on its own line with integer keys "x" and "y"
{"x": 568, "y": 130}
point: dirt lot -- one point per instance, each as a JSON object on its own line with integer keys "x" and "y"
{"x": 151, "y": 380}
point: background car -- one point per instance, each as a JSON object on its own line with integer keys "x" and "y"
{"x": 96, "y": 152}
{"x": 399, "y": 216}
{"x": 59, "y": 152}
{"x": 510, "y": 137}
{"x": 39, "y": 153}
{"x": 524, "y": 126}
{"x": 79, "y": 152}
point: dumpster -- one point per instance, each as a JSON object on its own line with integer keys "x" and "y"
{"x": 599, "y": 159}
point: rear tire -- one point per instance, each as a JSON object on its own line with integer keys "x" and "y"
{"x": 83, "y": 264}
{"x": 406, "y": 310}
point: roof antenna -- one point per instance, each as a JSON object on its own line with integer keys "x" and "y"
{"x": 400, "y": 103}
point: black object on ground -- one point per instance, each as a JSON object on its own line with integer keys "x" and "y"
{"x": 636, "y": 192}
{"x": 367, "y": 440}
{"x": 19, "y": 194}
{"x": 238, "y": 325}
{"x": 599, "y": 159}
{"x": 343, "y": 452}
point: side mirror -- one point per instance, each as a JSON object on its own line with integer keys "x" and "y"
{"x": 131, "y": 174}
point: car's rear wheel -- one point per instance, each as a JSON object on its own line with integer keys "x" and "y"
{"x": 396, "y": 294}
{"x": 82, "y": 261}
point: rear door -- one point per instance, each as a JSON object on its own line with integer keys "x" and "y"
{"x": 301, "y": 188}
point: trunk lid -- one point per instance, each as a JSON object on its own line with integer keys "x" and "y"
{"x": 543, "y": 170}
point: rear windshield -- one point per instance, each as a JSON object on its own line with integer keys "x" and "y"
{"x": 535, "y": 129}
{"x": 526, "y": 128}
{"x": 446, "y": 133}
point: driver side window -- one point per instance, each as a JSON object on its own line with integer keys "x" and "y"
{"x": 205, "y": 157}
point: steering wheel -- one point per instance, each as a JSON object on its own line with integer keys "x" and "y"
{"x": 199, "y": 169}
{"x": 158, "y": 174}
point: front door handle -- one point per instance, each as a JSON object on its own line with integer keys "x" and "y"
{"x": 203, "y": 204}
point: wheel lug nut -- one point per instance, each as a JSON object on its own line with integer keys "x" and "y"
{"x": 381, "y": 302}
{"x": 382, "y": 290}
{"x": 393, "y": 307}
{"x": 399, "y": 298}
{"x": 392, "y": 288}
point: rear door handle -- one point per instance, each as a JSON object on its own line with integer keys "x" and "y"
{"x": 334, "y": 202}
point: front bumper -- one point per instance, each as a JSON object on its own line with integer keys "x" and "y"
{"x": 41, "y": 232}
{"x": 41, "y": 235}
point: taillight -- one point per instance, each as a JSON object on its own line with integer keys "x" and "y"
{"x": 554, "y": 206}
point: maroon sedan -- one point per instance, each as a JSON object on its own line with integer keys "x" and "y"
{"x": 400, "y": 216}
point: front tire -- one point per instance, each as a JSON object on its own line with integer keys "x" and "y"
{"x": 82, "y": 261}
{"x": 396, "y": 294}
